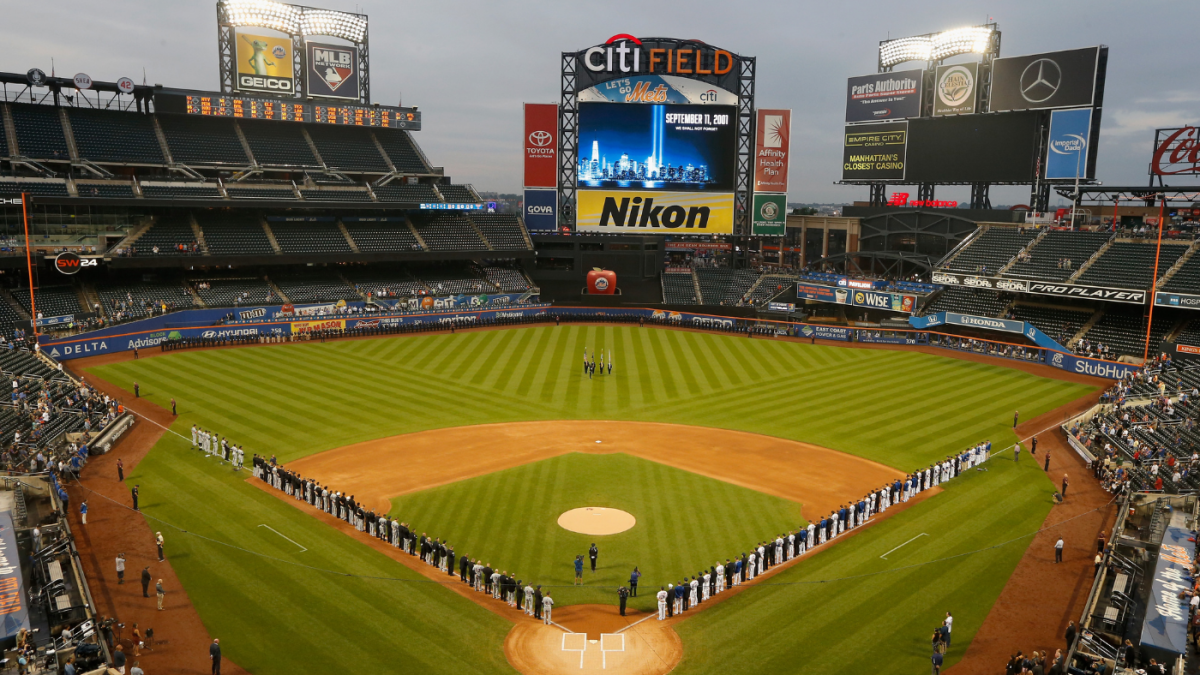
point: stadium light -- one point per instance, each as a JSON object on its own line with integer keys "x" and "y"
{"x": 343, "y": 25}
{"x": 263, "y": 14}
{"x": 936, "y": 46}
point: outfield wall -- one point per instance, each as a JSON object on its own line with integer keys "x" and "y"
{"x": 201, "y": 324}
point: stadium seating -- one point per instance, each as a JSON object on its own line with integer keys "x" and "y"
{"x": 178, "y": 191}
{"x": 204, "y": 141}
{"x": 347, "y": 148}
{"x": 453, "y": 278}
{"x": 678, "y": 288}
{"x": 507, "y": 280}
{"x": 39, "y": 132}
{"x": 1187, "y": 278}
{"x": 1190, "y": 335}
{"x": 43, "y": 188}
{"x": 310, "y": 238}
{"x": 376, "y": 237}
{"x": 1130, "y": 265}
{"x": 397, "y": 285}
{"x": 123, "y": 302}
{"x": 9, "y": 317}
{"x": 974, "y": 301}
{"x": 719, "y": 286}
{"x": 401, "y": 150}
{"x": 274, "y": 193}
{"x": 234, "y": 234}
{"x": 51, "y": 301}
{"x": 770, "y": 286}
{"x": 167, "y": 235}
{"x": 502, "y": 231}
{"x": 275, "y": 144}
{"x": 1060, "y": 323}
{"x": 107, "y": 136}
{"x": 991, "y": 250}
{"x": 448, "y": 232}
{"x": 458, "y": 194}
{"x": 1124, "y": 332}
{"x": 233, "y": 292}
{"x": 316, "y": 195}
{"x": 316, "y": 288}
{"x": 415, "y": 193}
{"x": 1043, "y": 263}
{"x": 105, "y": 190}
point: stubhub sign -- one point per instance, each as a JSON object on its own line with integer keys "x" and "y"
{"x": 541, "y": 210}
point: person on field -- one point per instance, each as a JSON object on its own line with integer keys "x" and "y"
{"x": 661, "y": 596}
{"x": 537, "y": 602}
{"x": 1058, "y": 549}
{"x": 146, "y": 582}
{"x": 593, "y": 552}
{"x": 214, "y": 653}
{"x": 578, "y": 569}
{"x": 622, "y": 597}
{"x": 547, "y": 605}
{"x": 633, "y": 581}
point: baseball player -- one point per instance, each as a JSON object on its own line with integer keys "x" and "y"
{"x": 720, "y": 577}
{"x": 529, "y": 600}
{"x": 693, "y": 592}
{"x": 547, "y": 605}
{"x": 662, "y": 603}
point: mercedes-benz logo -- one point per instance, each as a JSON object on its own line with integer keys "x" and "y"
{"x": 540, "y": 139}
{"x": 1040, "y": 80}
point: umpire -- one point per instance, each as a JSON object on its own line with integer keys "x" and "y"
{"x": 622, "y": 595}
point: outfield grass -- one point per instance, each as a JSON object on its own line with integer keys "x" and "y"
{"x": 903, "y": 409}
{"x": 686, "y": 522}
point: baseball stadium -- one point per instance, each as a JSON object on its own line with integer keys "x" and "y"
{"x": 330, "y": 410}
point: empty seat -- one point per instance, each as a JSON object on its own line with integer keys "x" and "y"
{"x": 401, "y": 149}
{"x": 502, "y": 230}
{"x": 115, "y": 137}
{"x": 459, "y": 194}
{"x": 1131, "y": 264}
{"x": 274, "y": 193}
{"x": 416, "y": 193}
{"x": 310, "y": 238}
{"x": 176, "y": 191}
{"x": 1187, "y": 278}
{"x": 679, "y": 289}
{"x": 316, "y": 288}
{"x": 234, "y": 234}
{"x": 375, "y": 237}
{"x": 347, "y": 148}
{"x": 105, "y": 190}
{"x": 44, "y": 188}
{"x": 1059, "y": 255}
{"x": 234, "y": 292}
{"x": 51, "y": 300}
{"x": 449, "y": 232}
{"x": 203, "y": 140}
{"x": 973, "y": 301}
{"x": 990, "y": 251}
{"x": 39, "y": 132}
{"x": 276, "y": 144}
{"x": 312, "y": 195}
{"x": 171, "y": 235}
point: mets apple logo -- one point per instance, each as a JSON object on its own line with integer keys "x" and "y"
{"x": 769, "y": 211}
{"x": 540, "y": 139}
{"x": 601, "y": 284}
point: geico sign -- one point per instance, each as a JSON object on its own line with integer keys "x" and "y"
{"x": 271, "y": 83}
{"x": 623, "y": 53}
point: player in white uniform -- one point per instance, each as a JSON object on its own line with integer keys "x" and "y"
{"x": 752, "y": 561}
{"x": 662, "y": 603}
{"x": 720, "y": 577}
{"x": 547, "y": 605}
{"x": 693, "y": 593}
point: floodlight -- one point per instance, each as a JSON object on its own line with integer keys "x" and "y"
{"x": 937, "y": 46}
{"x": 905, "y": 49}
{"x": 263, "y": 14}
{"x": 352, "y": 27}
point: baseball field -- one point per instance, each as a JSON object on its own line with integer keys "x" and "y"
{"x": 712, "y": 442}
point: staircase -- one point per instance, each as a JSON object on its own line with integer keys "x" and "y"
{"x": 346, "y": 233}
{"x": 1010, "y": 263}
{"x": 162, "y": 140}
{"x": 286, "y": 300}
{"x": 10, "y": 132}
{"x": 1092, "y": 260}
{"x": 196, "y": 299}
{"x": 271, "y": 237}
{"x": 1086, "y": 327}
{"x": 245, "y": 144}
{"x": 413, "y": 228}
{"x": 133, "y": 236}
{"x": 1178, "y": 264}
{"x": 475, "y": 227}
{"x": 750, "y": 291}
{"x": 313, "y": 146}
{"x": 696, "y": 286}
{"x": 68, "y": 133}
{"x": 199, "y": 233}
{"x": 90, "y": 297}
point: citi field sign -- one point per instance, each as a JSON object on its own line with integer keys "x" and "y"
{"x": 624, "y": 55}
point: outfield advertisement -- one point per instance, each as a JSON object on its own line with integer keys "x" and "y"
{"x": 814, "y": 292}
{"x": 987, "y": 323}
{"x": 1127, "y": 295}
{"x": 878, "y": 337}
{"x": 826, "y": 332}
{"x": 1166, "y": 624}
{"x": 1177, "y": 300}
{"x": 13, "y": 604}
{"x": 654, "y": 212}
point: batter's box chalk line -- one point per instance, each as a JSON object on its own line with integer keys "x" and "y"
{"x": 575, "y": 642}
{"x": 610, "y": 642}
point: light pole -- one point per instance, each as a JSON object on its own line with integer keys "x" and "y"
{"x": 1075, "y": 197}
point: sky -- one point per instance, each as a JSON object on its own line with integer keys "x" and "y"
{"x": 470, "y": 64}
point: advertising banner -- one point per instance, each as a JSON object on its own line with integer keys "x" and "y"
{"x": 624, "y": 56}
{"x": 977, "y": 148}
{"x": 1184, "y": 300}
{"x": 541, "y": 210}
{"x": 1166, "y": 623}
{"x": 1067, "y": 151}
{"x": 1176, "y": 152}
{"x": 14, "y": 607}
{"x": 990, "y": 323}
{"x": 788, "y": 307}
{"x": 332, "y": 71}
{"x": 657, "y": 89}
{"x": 894, "y": 302}
{"x": 955, "y": 89}
{"x": 884, "y": 96}
{"x": 882, "y": 338}
{"x": 55, "y": 320}
{"x": 311, "y": 326}
{"x": 657, "y": 147}
{"x": 773, "y": 141}
{"x": 264, "y": 64}
{"x": 541, "y": 145}
{"x": 654, "y": 212}
{"x": 769, "y": 215}
{"x": 826, "y": 332}
{"x": 875, "y": 151}
{"x": 1126, "y": 295}
{"x": 1065, "y": 79}
{"x": 822, "y": 293}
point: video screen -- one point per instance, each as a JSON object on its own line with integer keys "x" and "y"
{"x": 992, "y": 148}
{"x": 657, "y": 147}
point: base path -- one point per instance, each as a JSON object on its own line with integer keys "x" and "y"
{"x": 819, "y": 478}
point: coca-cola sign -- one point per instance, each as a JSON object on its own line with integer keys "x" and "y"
{"x": 1176, "y": 152}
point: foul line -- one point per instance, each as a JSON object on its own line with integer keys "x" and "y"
{"x": 652, "y": 615}
{"x": 302, "y": 549}
{"x": 923, "y": 534}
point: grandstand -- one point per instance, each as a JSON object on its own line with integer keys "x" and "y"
{"x": 976, "y": 301}
{"x": 679, "y": 288}
{"x": 991, "y": 250}
{"x": 230, "y": 292}
{"x": 1131, "y": 264}
{"x": 1058, "y": 255}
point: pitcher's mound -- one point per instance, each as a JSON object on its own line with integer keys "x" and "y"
{"x": 596, "y": 520}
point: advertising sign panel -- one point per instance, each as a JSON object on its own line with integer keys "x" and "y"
{"x": 884, "y": 96}
{"x": 13, "y": 605}
{"x": 657, "y": 89}
{"x": 657, "y": 147}
{"x": 1067, "y": 151}
{"x": 1066, "y": 79}
{"x": 1166, "y": 623}
{"x": 1127, "y": 295}
{"x": 955, "y": 89}
{"x": 324, "y": 324}
{"x": 654, "y": 212}
{"x": 894, "y": 302}
{"x": 822, "y": 293}
{"x": 541, "y": 210}
{"x": 541, "y": 145}
{"x": 769, "y": 215}
{"x": 773, "y": 141}
{"x": 1184, "y": 300}
{"x": 826, "y": 332}
{"x": 1177, "y": 152}
{"x": 875, "y": 151}
{"x": 625, "y": 56}
{"x": 263, "y": 63}
{"x": 332, "y": 71}
{"x": 976, "y": 148}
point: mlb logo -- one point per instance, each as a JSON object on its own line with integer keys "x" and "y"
{"x": 333, "y": 66}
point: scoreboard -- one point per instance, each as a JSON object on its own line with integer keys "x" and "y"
{"x": 207, "y": 104}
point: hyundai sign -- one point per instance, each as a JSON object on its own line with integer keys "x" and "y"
{"x": 541, "y": 210}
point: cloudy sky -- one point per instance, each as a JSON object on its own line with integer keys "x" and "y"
{"x": 470, "y": 64}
